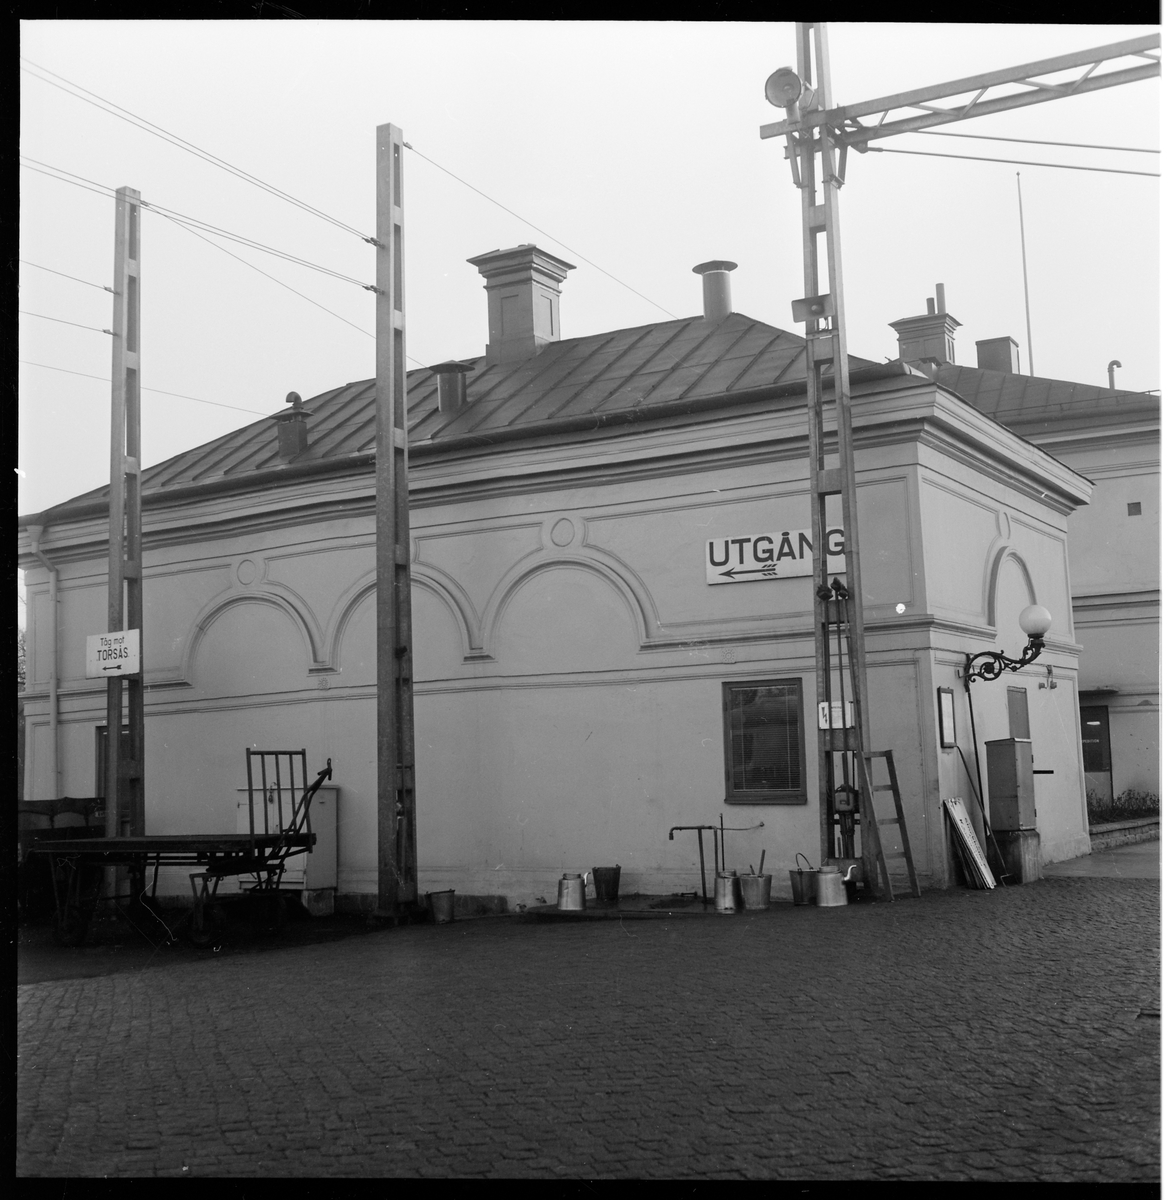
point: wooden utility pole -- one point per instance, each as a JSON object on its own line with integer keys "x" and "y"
{"x": 124, "y": 766}
{"x": 395, "y": 759}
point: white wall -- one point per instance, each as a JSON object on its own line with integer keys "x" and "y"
{"x": 569, "y": 655}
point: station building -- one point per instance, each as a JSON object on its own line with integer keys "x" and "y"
{"x": 586, "y": 677}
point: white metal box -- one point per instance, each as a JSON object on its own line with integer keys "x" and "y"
{"x": 1011, "y": 801}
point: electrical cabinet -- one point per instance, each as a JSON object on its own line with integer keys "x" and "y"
{"x": 319, "y": 868}
{"x": 1011, "y": 803}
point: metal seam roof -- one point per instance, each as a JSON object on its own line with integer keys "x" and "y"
{"x": 1019, "y": 398}
{"x": 605, "y": 374}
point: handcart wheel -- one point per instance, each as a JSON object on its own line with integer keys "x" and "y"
{"x": 213, "y": 927}
{"x": 201, "y": 938}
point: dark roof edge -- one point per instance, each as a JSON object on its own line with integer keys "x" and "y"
{"x": 70, "y": 511}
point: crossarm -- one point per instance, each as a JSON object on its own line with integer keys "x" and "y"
{"x": 847, "y": 119}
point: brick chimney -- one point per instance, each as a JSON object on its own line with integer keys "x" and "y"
{"x": 999, "y": 354}
{"x": 928, "y": 338}
{"x": 292, "y": 428}
{"x": 522, "y": 287}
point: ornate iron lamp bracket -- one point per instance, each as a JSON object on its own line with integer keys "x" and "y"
{"x": 990, "y": 664}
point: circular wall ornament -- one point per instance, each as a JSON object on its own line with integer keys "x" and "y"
{"x": 246, "y": 571}
{"x": 563, "y": 532}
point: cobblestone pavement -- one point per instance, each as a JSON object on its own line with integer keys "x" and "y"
{"x": 964, "y": 1036}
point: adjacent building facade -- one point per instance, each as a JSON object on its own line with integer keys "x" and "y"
{"x": 586, "y": 677}
{"x": 1111, "y": 438}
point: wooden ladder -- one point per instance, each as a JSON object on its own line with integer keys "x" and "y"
{"x": 873, "y": 844}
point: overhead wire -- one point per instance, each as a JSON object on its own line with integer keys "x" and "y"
{"x": 244, "y": 241}
{"x": 182, "y": 143}
{"x": 177, "y": 395}
{"x": 174, "y": 139}
{"x": 532, "y": 225}
{"x": 1020, "y": 162}
{"x": 60, "y": 176}
{"x": 188, "y": 229}
{"x": 100, "y": 286}
{"x": 25, "y": 313}
{"x": 207, "y": 226}
{"x": 991, "y": 137}
{"x": 177, "y": 219}
{"x": 280, "y": 283}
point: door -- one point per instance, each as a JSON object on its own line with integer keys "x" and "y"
{"x": 1096, "y": 751}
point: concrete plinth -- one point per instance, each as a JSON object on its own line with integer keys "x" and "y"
{"x": 1021, "y": 850}
{"x": 319, "y": 902}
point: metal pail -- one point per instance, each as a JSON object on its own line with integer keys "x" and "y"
{"x": 726, "y": 892}
{"x": 804, "y": 885}
{"x": 831, "y": 888}
{"x": 571, "y": 893}
{"x": 757, "y": 891}
{"x": 607, "y": 881}
{"x": 442, "y": 905}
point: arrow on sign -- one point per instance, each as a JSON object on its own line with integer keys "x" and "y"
{"x": 116, "y": 667}
{"x": 769, "y": 570}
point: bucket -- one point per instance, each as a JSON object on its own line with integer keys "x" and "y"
{"x": 804, "y": 882}
{"x": 571, "y": 893}
{"x": 831, "y": 888}
{"x": 607, "y": 881}
{"x": 441, "y": 904}
{"x": 726, "y": 892}
{"x": 756, "y": 891}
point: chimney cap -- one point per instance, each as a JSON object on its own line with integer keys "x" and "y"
{"x": 717, "y": 264}
{"x": 295, "y": 412}
{"x": 504, "y": 259}
{"x": 452, "y": 367}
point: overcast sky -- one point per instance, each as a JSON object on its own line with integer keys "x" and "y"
{"x": 635, "y": 145}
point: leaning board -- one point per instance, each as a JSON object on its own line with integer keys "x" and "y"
{"x": 975, "y": 860}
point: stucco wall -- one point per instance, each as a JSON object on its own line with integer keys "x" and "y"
{"x": 569, "y": 654}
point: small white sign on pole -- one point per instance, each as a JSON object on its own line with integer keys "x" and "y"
{"x": 110, "y": 654}
{"x": 784, "y": 554}
{"x": 831, "y": 716}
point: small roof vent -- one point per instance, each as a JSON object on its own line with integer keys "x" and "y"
{"x": 451, "y": 385}
{"x": 716, "y": 288}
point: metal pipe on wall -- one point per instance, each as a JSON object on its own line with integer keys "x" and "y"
{"x": 35, "y": 532}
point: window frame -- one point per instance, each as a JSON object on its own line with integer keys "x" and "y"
{"x": 797, "y": 796}
{"x": 1085, "y": 713}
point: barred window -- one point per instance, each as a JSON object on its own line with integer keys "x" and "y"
{"x": 764, "y": 736}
